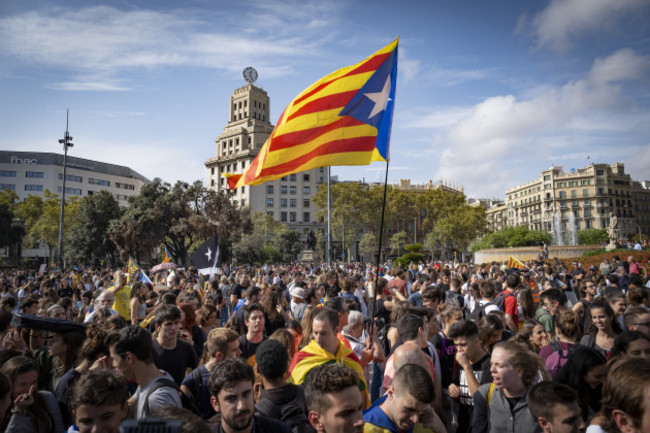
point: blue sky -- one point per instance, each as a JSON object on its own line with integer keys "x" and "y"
{"x": 489, "y": 92}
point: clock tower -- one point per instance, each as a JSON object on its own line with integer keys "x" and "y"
{"x": 287, "y": 199}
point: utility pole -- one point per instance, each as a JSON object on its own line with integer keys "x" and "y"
{"x": 66, "y": 141}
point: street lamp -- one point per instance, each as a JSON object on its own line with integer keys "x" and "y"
{"x": 66, "y": 141}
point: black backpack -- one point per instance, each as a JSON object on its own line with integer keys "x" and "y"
{"x": 186, "y": 401}
{"x": 500, "y": 300}
{"x": 289, "y": 413}
{"x": 479, "y": 311}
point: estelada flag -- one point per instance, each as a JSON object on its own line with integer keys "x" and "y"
{"x": 344, "y": 118}
{"x": 168, "y": 257}
{"x": 514, "y": 263}
{"x": 313, "y": 355}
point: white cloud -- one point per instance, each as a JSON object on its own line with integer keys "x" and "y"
{"x": 105, "y": 42}
{"x": 559, "y": 24}
{"x": 637, "y": 164}
{"x": 504, "y": 128}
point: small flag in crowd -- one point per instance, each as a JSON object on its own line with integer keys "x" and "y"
{"x": 132, "y": 273}
{"x": 168, "y": 257}
{"x": 514, "y": 263}
{"x": 344, "y": 118}
{"x": 206, "y": 258}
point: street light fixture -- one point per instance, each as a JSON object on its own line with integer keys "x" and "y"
{"x": 66, "y": 141}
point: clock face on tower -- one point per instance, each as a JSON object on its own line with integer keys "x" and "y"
{"x": 250, "y": 74}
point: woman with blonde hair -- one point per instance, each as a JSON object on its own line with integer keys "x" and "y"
{"x": 501, "y": 405}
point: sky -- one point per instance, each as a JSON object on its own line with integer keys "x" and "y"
{"x": 489, "y": 93}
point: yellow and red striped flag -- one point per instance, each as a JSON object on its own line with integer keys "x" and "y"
{"x": 342, "y": 119}
{"x": 514, "y": 263}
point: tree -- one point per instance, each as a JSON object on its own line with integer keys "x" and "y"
{"x": 181, "y": 217}
{"x": 520, "y": 236}
{"x": 89, "y": 238}
{"x": 397, "y": 242}
{"x": 11, "y": 231}
{"x": 459, "y": 228}
{"x": 42, "y": 216}
{"x": 269, "y": 241}
{"x": 290, "y": 245}
{"x": 368, "y": 245}
{"x": 592, "y": 236}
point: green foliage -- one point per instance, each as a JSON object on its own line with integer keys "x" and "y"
{"x": 413, "y": 248}
{"x": 407, "y": 258}
{"x": 11, "y": 230}
{"x": 42, "y": 216}
{"x": 270, "y": 241}
{"x": 592, "y": 236}
{"x": 368, "y": 245}
{"x": 181, "y": 217}
{"x": 520, "y": 236}
{"x": 88, "y": 239}
{"x": 396, "y": 243}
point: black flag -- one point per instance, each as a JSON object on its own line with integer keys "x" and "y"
{"x": 206, "y": 258}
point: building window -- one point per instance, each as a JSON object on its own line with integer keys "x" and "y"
{"x": 284, "y": 178}
{"x": 574, "y": 193}
{"x": 600, "y": 172}
{"x": 243, "y": 189}
{"x": 71, "y": 191}
{"x": 124, "y": 186}
{"x": 283, "y": 202}
{"x": 305, "y": 203}
{"x": 292, "y": 217}
{"x": 4, "y": 173}
{"x": 587, "y": 213}
{"x": 269, "y": 202}
{"x": 306, "y": 190}
{"x": 292, "y": 190}
{"x": 587, "y": 203}
{"x": 562, "y": 194}
{"x": 283, "y": 189}
{"x": 270, "y": 213}
{"x": 305, "y": 217}
{"x": 292, "y": 202}
{"x": 7, "y": 186}
{"x": 292, "y": 177}
{"x": 71, "y": 177}
{"x": 100, "y": 182}
{"x": 35, "y": 174}
{"x": 305, "y": 177}
{"x": 211, "y": 182}
{"x": 547, "y": 177}
{"x": 283, "y": 217}
{"x": 269, "y": 189}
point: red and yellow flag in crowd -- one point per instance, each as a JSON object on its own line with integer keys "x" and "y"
{"x": 514, "y": 263}
{"x": 342, "y": 119}
{"x": 168, "y": 257}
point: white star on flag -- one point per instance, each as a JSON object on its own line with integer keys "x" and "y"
{"x": 209, "y": 253}
{"x": 380, "y": 99}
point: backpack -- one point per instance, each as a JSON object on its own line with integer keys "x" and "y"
{"x": 558, "y": 358}
{"x": 479, "y": 311}
{"x": 500, "y": 300}
{"x": 186, "y": 401}
{"x": 289, "y": 413}
{"x": 382, "y": 334}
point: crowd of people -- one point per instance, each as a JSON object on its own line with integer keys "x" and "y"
{"x": 303, "y": 348}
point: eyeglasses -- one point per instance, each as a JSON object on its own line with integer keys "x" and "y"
{"x": 642, "y": 324}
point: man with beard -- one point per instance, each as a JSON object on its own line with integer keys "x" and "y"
{"x": 231, "y": 386}
{"x": 243, "y": 282}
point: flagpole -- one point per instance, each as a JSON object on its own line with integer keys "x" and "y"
{"x": 329, "y": 219}
{"x": 381, "y": 232}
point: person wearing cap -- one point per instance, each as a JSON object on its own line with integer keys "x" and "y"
{"x": 298, "y": 304}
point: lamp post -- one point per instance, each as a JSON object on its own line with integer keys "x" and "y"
{"x": 66, "y": 141}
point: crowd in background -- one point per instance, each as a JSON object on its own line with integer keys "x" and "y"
{"x": 493, "y": 342}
